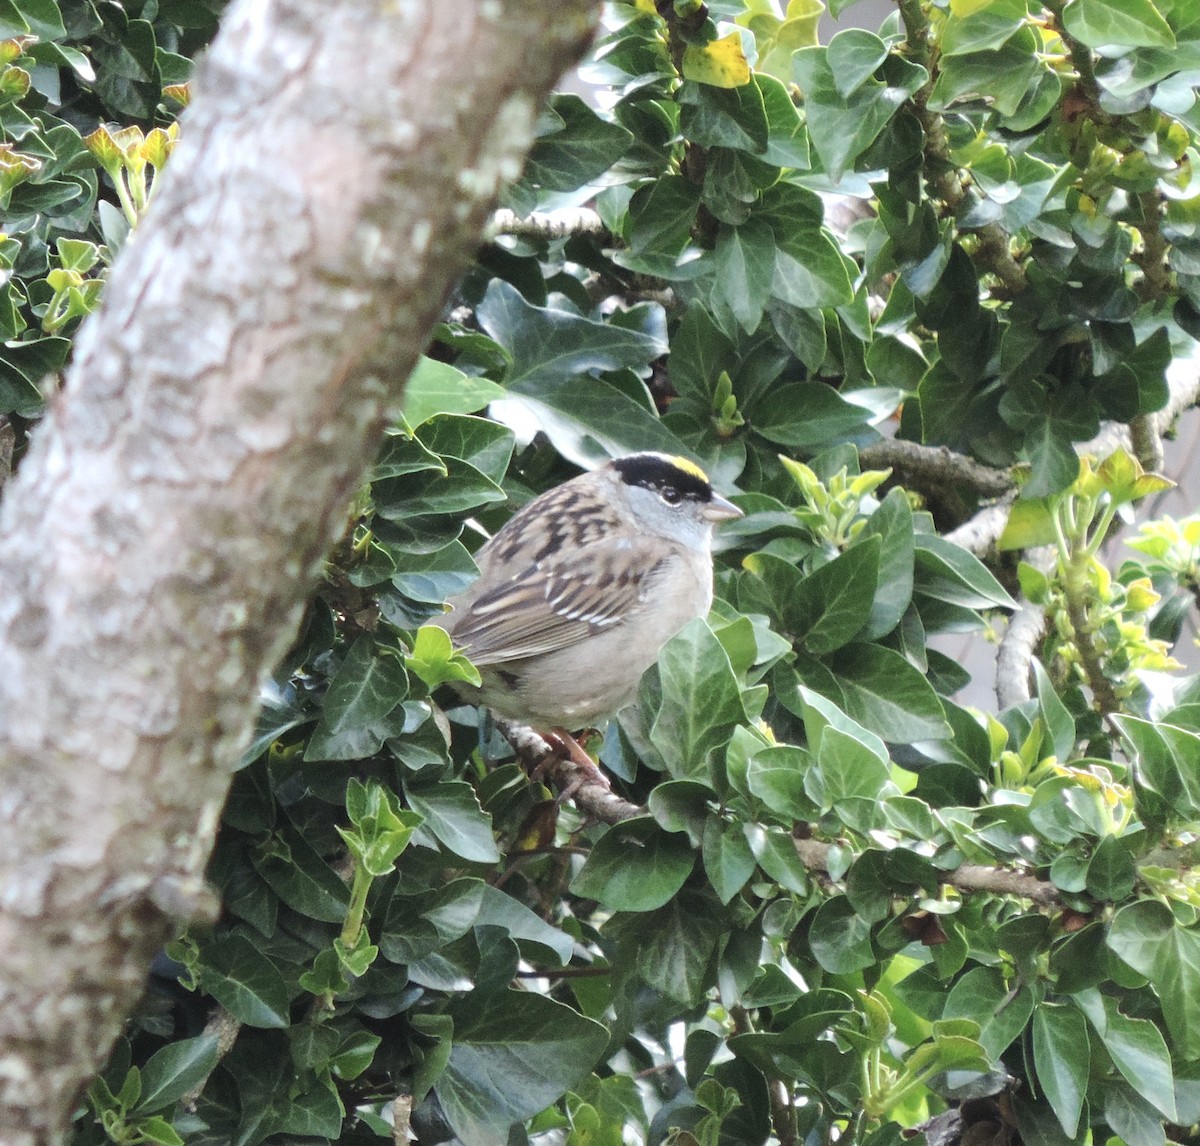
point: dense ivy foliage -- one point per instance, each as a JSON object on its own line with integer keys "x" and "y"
{"x": 801, "y": 938}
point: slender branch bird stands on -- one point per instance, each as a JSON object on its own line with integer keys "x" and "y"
{"x": 579, "y": 592}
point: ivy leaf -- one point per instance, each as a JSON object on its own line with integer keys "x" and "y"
{"x": 853, "y": 56}
{"x": 511, "y": 1058}
{"x": 983, "y": 996}
{"x": 949, "y": 573}
{"x": 700, "y": 701}
{"x": 577, "y": 147}
{"x": 1062, "y": 1057}
{"x": 718, "y": 117}
{"x": 840, "y": 938}
{"x": 244, "y": 981}
{"x": 174, "y": 1070}
{"x": 721, "y": 63}
{"x": 1136, "y": 1048}
{"x": 438, "y": 388}
{"x": 728, "y": 860}
{"x": 892, "y": 523}
{"x": 678, "y": 943}
{"x": 745, "y": 258}
{"x": 833, "y": 603}
{"x": 636, "y": 866}
{"x": 842, "y": 127}
{"x": 887, "y": 695}
{"x": 549, "y": 345}
{"x": 368, "y": 684}
{"x": 982, "y": 28}
{"x": 1117, "y": 23}
{"x": 805, "y": 415}
{"x": 451, "y": 811}
{"x": 1146, "y": 936}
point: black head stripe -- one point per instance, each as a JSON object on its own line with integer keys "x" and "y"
{"x": 658, "y": 472}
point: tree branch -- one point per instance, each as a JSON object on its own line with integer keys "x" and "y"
{"x": 979, "y": 534}
{"x": 934, "y": 466}
{"x": 172, "y": 515}
{"x": 591, "y": 796}
{"x": 1014, "y": 660}
{"x": 970, "y": 877}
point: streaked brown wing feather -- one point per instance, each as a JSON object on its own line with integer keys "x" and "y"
{"x": 553, "y": 604}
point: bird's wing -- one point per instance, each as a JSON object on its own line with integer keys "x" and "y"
{"x": 553, "y": 603}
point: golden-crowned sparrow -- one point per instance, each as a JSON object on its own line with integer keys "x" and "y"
{"x": 580, "y": 590}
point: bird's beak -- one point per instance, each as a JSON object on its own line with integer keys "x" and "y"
{"x": 719, "y": 509}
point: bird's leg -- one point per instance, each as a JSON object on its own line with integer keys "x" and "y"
{"x": 585, "y": 770}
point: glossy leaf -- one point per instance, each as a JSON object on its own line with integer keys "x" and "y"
{"x": 636, "y": 866}
{"x": 1147, "y": 937}
{"x": 701, "y": 702}
{"x": 244, "y": 982}
{"x": 1136, "y": 1048}
{"x": 510, "y": 1059}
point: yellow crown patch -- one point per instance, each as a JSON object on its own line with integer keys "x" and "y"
{"x": 688, "y": 467}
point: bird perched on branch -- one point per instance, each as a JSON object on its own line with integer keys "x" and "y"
{"x": 580, "y": 590}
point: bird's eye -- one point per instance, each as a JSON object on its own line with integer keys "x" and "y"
{"x": 670, "y": 495}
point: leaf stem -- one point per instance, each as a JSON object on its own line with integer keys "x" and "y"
{"x": 352, "y": 928}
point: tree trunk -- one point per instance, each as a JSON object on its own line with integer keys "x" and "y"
{"x": 159, "y": 542}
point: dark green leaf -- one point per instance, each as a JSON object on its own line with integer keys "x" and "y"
{"x": 724, "y": 117}
{"x": 806, "y": 415}
{"x": 1062, "y": 1057}
{"x": 853, "y": 56}
{"x": 833, "y": 602}
{"x": 1136, "y": 1048}
{"x": 1117, "y": 23}
{"x": 1057, "y": 720}
{"x": 841, "y": 127}
{"x": 886, "y": 695}
{"x": 1110, "y": 872}
{"x": 700, "y": 701}
{"x": 677, "y": 947}
{"x": 301, "y": 878}
{"x": 949, "y": 573}
{"x": 840, "y": 939}
{"x": 1000, "y": 1009}
{"x": 728, "y": 860}
{"x": 745, "y": 270}
{"x": 892, "y": 523}
{"x": 510, "y": 1058}
{"x": 368, "y": 684}
{"x": 661, "y": 216}
{"x": 847, "y": 769}
{"x": 174, "y": 1070}
{"x": 451, "y": 811}
{"x": 636, "y": 866}
{"x": 983, "y": 28}
{"x": 244, "y": 981}
{"x": 1146, "y": 936}
{"x": 580, "y": 147}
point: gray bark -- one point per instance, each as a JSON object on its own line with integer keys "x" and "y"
{"x": 159, "y": 542}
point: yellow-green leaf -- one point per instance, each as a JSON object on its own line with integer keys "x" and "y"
{"x": 720, "y": 63}
{"x": 1030, "y": 523}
